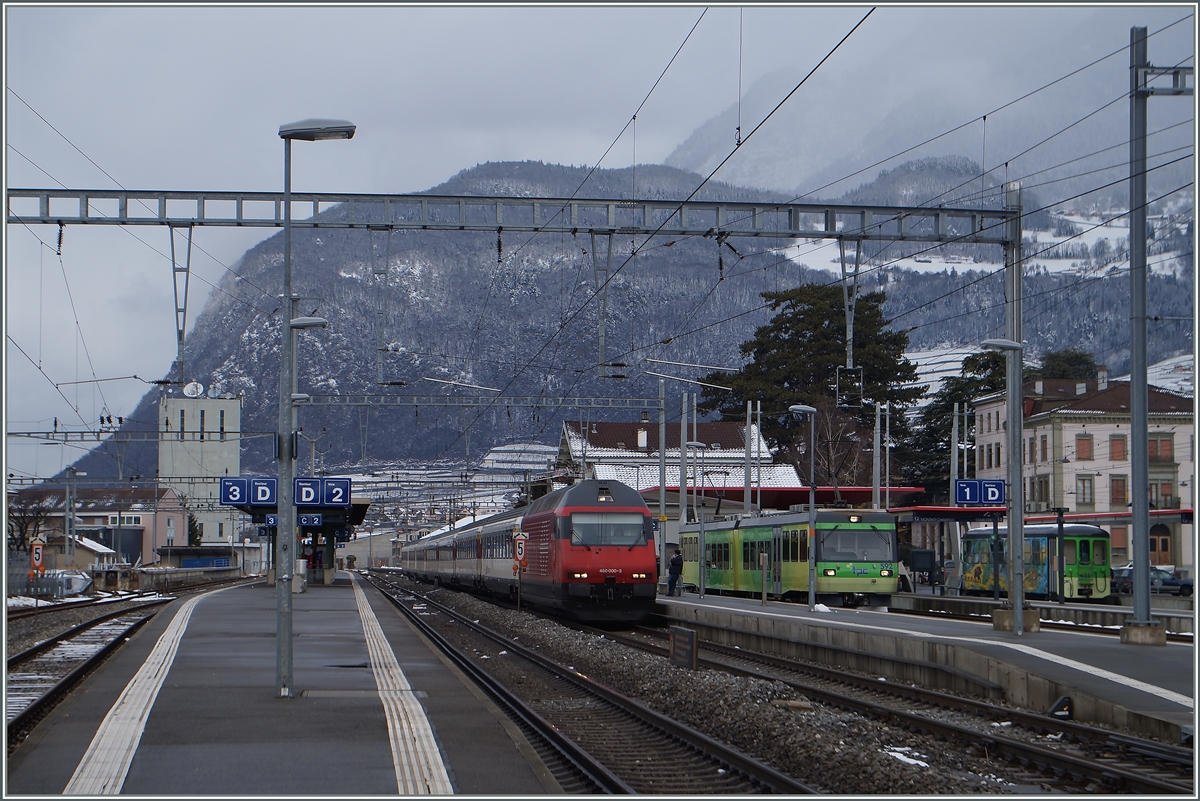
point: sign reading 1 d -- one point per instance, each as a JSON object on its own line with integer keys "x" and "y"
{"x": 987, "y": 491}
{"x": 321, "y": 492}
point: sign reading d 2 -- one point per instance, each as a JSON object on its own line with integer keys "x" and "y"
{"x": 335, "y": 492}
{"x": 306, "y": 492}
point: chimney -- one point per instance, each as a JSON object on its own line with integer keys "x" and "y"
{"x": 645, "y": 417}
{"x": 1102, "y": 380}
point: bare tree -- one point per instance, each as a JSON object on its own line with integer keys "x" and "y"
{"x": 29, "y": 515}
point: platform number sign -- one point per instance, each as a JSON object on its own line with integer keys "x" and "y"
{"x": 335, "y": 492}
{"x": 235, "y": 491}
{"x": 977, "y": 491}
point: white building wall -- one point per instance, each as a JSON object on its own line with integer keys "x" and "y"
{"x": 193, "y": 458}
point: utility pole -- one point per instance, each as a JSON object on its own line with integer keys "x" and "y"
{"x": 1141, "y": 630}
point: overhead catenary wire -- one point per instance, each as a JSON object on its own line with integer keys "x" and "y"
{"x": 702, "y": 183}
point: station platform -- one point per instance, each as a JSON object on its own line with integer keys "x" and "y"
{"x": 1147, "y": 689}
{"x": 189, "y": 707}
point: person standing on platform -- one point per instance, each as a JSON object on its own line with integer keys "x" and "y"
{"x": 674, "y": 570}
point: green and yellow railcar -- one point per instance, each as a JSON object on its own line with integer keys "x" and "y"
{"x": 856, "y": 556}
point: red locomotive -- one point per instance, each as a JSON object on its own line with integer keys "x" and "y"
{"x": 589, "y": 551}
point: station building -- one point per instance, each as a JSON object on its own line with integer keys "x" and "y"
{"x": 1075, "y": 455}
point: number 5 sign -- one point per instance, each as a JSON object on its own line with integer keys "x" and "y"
{"x": 35, "y": 554}
{"x": 519, "y": 549}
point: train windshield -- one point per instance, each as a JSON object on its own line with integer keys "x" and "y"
{"x": 607, "y": 528}
{"x": 856, "y": 545}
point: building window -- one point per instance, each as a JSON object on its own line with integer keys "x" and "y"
{"x": 1085, "y": 491}
{"x": 125, "y": 520}
{"x": 997, "y": 455}
{"x": 989, "y": 456}
{"x": 1161, "y": 496}
{"x": 221, "y": 416}
{"x": 181, "y": 425}
{"x": 1162, "y": 448}
{"x": 201, "y": 425}
{"x": 989, "y": 422}
{"x": 1032, "y": 450}
{"x": 1043, "y": 489}
{"x": 1116, "y": 448}
{"x": 1045, "y": 448}
{"x": 1083, "y": 446}
{"x": 1118, "y": 494}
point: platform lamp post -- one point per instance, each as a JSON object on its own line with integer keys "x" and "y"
{"x": 797, "y": 410}
{"x": 310, "y": 130}
{"x": 701, "y": 559}
{"x": 1016, "y": 487}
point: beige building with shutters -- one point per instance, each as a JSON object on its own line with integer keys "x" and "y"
{"x": 1075, "y": 455}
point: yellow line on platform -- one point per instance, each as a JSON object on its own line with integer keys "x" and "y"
{"x": 419, "y": 766}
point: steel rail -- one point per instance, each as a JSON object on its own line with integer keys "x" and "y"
{"x": 1011, "y": 748}
{"x": 758, "y": 771}
{"x": 583, "y": 762}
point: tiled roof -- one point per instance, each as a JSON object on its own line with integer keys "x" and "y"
{"x": 1115, "y": 400}
{"x": 774, "y": 476}
{"x": 623, "y": 437}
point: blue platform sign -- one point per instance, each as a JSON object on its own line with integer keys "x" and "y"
{"x": 967, "y": 490}
{"x": 335, "y": 492}
{"x": 273, "y": 520}
{"x": 264, "y": 491}
{"x": 235, "y": 491}
{"x": 309, "y": 520}
{"x": 306, "y": 492}
{"x": 992, "y": 492}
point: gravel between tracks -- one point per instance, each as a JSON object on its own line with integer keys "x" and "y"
{"x": 829, "y": 749}
{"x": 27, "y": 632}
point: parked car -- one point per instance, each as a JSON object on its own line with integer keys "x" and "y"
{"x": 1160, "y": 581}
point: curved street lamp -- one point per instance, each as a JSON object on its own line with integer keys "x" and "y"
{"x": 798, "y": 410}
{"x": 310, "y": 130}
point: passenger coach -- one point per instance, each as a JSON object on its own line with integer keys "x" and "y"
{"x": 1086, "y": 552}
{"x": 856, "y": 556}
{"x": 589, "y": 552}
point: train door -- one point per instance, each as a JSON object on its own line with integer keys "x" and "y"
{"x": 777, "y": 546}
{"x": 479, "y": 560}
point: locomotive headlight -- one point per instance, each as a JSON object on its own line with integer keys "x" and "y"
{"x": 639, "y": 575}
{"x": 885, "y": 573}
{"x": 829, "y": 571}
{"x": 580, "y": 575}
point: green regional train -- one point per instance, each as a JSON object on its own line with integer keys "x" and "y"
{"x": 856, "y": 553}
{"x": 1086, "y": 552}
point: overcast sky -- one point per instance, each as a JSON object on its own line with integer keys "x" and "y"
{"x": 192, "y": 98}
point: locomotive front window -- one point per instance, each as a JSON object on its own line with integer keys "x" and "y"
{"x": 855, "y": 545}
{"x": 1084, "y": 552}
{"x": 607, "y": 528}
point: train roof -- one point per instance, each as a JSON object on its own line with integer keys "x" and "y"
{"x": 590, "y": 492}
{"x": 1041, "y": 529}
{"x": 770, "y": 521}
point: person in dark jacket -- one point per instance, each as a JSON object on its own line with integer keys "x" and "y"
{"x": 674, "y": 570}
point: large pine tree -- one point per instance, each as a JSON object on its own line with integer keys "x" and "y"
{"x": 794, "y": 358}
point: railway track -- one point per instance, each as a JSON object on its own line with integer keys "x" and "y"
{"x": 594, "y": 739}
{"x": 1065, "y": 754}
{"x": 39, "y": 677}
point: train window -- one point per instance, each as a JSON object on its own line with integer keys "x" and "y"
{"x": 1085, "y": 552}
{"x": 607, "y": 528}
{"x": 795, "y": 536}
{"x": 802, "y": 537}
{"x": 1099, "y": 552}
{"x": 855, "y": 545}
